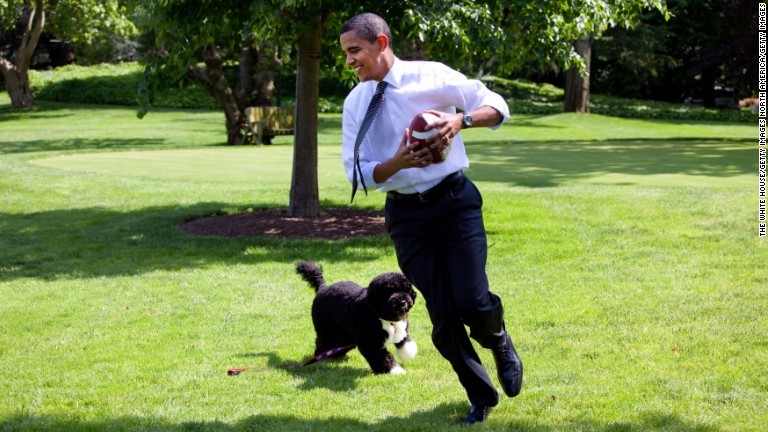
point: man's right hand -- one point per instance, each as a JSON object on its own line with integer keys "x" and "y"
{"x": 403, "y": 158}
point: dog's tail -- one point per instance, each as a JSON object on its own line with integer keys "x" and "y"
{"x": 311, "y": 273}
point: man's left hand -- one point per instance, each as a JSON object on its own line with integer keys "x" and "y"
{"x": 445, "y": 129}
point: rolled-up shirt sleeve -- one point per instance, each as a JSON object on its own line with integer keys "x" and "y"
{"x": 471, "y": 94}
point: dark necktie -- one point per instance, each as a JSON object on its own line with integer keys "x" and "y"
{"x": 373, "y": 109}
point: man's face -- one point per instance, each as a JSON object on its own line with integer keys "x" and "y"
{"x": 366, "y": 58}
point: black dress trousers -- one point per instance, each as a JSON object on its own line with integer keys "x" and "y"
{"x": 442, "y": 248}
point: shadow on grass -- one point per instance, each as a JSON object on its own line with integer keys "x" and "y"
{"x": 8, "y": 115}
{"x": 443, "y": 417}
{"x": 56, "y": 126}
{"x": 550, "y": 163}
{"x": 93, "y": 242}
{"x": 78, "y": 144}
{"x": 331, "y": 374}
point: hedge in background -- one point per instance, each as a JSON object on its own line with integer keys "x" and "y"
{"x": 111, "y": 84}
{"x": 116, "y": 84}
{"x": 529, "y": 98}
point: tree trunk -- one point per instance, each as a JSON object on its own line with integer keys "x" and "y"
{"x": 215, "y": 83}
{"x": 17, "y": 83}
{"x": 305, "y": 199}
{"x": 707, "y": 86}
{"x": 17, "y": 73}
{"x": 266, "y": 72}
{"x": 249, "y": 54}
{"x": 577, "y": 85}
{"x": 411, "y": 49}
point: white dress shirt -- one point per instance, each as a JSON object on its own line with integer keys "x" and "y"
{"x": 414, "y": 86}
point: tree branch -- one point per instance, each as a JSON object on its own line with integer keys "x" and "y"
{"x": 31, "y": 36}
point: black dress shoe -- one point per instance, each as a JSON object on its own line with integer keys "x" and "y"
{"x": 509, "y": 367}
{"x": 477, "y": 414}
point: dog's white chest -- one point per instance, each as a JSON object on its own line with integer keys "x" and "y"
{"x": 396, "y": 331}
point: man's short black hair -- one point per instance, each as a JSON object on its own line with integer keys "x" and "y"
{"x": 368, "y": 26}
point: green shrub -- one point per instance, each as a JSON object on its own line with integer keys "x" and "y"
{"x": 116, "y": 84}
{"x": 190, "y": 96}
{"x": 525, "y": 90}
{"x": 112, "y": 84}
{"x": 646, "y": 109}
{"x": 541, "y": 99}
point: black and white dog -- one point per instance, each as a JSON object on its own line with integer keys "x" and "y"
{"x": 346, "y": 314}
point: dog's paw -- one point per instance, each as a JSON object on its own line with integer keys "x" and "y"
{"x": 407, "y": 351}
{"x": 397, "y": 370}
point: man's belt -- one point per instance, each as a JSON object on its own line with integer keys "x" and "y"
{"x": 429, "y": 195}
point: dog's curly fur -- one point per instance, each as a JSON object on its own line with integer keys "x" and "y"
{"x": 346, "y": 314}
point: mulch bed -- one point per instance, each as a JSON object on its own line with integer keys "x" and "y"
{"x": 333, "y": 224}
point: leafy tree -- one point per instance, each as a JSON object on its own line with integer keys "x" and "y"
{"x": 210, "y": 32}
{"x": 561, "y": 31}
{"x": 502, "y": 36}
{"x": 705, "y": 42}
{"x": 199, "y": 40}
{"x": 634, "y": 62}
{"x": 83, "y": 22}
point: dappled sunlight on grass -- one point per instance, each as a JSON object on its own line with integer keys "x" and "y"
{"x": 629, "y": 162}
{"x": 94, "y": 242}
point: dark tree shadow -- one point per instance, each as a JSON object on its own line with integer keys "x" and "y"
{"x": 444, "y": 417}
{"x": 100, "y": 241}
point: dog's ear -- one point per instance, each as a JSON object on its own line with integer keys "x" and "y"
{"x": 384, "y": 285}
{"x": 408, "y": 287}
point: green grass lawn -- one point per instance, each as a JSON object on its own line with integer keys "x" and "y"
{"x": 626, "y": 252}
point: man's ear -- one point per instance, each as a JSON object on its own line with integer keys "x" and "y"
{"x": 383, "y": 41}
